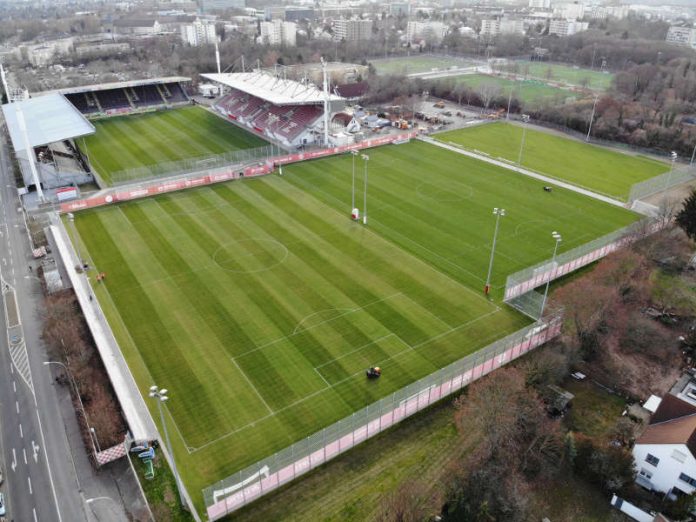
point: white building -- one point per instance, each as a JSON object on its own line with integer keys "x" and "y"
{"x": 431, "y": 32}
{"x": 570, "y": 11}
{"x": 352, "y": 30}
{"x": 278, "y": 32}
{"x": 602, "y": 12}
{"x": 198, "y": 33}
{"x": 44, "y": 53}
{"x": 681, "y": 36}
{"x": 491, "y": 28}
{"x": 540, "y": 4}
{"x": 567, "y": 27}
{"x": 665, "y": 453}
{"x": 137, "y": 26}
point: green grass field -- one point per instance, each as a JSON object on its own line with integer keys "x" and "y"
{"x": 259, "y": 303}
{"x": 564, "y": 73}
{"x": 596, "y": 168}
{"x": 126, "y": 142}
{"x": 416, "y": 64}
{"x": 531, "y": 92}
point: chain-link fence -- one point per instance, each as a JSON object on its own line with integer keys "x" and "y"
{"x": 267, "y": 475}
{"x": 186, "y": 166}
{"x": 522, "y": 282}
{"x": 670, "y": 179}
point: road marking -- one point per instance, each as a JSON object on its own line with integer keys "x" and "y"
{"x": 17, "y": 406}
{"x": 24, "y": 452}
{"x": 35, "y": 448}
{"x": 14, "y": 460}
{"x": 14, "y": 386}
{"x": 48, "y": 465}
{"x": 21, "y": 432}
{"x": 31, "y": 492}
{"x": 33, "y": 510}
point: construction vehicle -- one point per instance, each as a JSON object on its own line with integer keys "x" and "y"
{"x": 439, "y": 105}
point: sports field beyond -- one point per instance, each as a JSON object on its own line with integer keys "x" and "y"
{"x": 126, "y": 142}
{"x": 259, "y": 304}
{"x": 596, "y": 168}
{"x": 416, "y": 64}
{"x": 578, "y": 76}
{"x": 530, "y": 92}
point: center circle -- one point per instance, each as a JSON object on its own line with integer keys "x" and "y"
{"x": 246, "y": 256}
{"x": 438, "y": 194}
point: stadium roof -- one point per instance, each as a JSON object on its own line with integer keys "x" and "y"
{"x": 49, "y": 119}
{"x": 276, "y": 90}
{"x": 115, "y": 85}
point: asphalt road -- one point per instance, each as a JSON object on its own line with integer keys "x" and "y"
{"x": 41, "y": 482}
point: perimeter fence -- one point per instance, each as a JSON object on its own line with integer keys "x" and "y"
{"x": 525, "y": 281}
{"x": 247, "y": 485}
{"x": 649, "y": 187}
{"x": 186, "y": 166}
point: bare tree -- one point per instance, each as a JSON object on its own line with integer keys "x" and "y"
{"x": 487, "y": 91}
{"x": 409, "y": 502}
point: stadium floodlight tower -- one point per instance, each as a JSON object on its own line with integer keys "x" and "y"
{"x": 327, "y": 103}
{"x": 353, "y": 153}
{"x": 498, "y": 213}
{"x": 160, "y": 395}
{"x": 366, "y": 159}
{"x": 673, "y": 157}
{"x": 525, "y": 120}
{"x": 557, "y": 237}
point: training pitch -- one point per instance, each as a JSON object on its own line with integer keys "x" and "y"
{"x": 596, "y": 168}
{"x": 259, "y": 303}
{"x": 417, "y": 64}
{"x": 143, "y": 140}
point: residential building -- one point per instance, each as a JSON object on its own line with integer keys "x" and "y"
{"x": 106, "y": 48}
{"x": 540, "y": 4}
{"x": 42, "y": 54}
{"x": 200, "y": 32}
{"x": 278, "y": 32}
{"x": 569, "y": 11}
{"x": 222, "y": 4}
{"x": 602, "y": 12}
{"x": 681, "y": 36}
{"x": 274, "y": 12}
{"x": 566, "y": 27}
{"x": 137, "y": 26}
{"x": 399, "y": 9}
{"x": 490, "y": 28}
{"x": 431, "y": 32}
{"x": 665, "y": 454}
{"x": 297, "y": 14}
{"x": 352, "y": 30}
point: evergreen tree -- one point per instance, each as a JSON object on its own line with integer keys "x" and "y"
{"x": 686, "y": 218}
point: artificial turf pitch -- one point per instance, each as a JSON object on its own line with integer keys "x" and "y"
{"x": 259, "y": 303}
{"x": 595, "y": 168}
{"x": 143, "y": 140}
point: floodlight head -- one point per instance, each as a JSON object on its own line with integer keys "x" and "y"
{"x": 495, "y": 210}
{"x": 556, "y": 236}
{"x": 153, "y": 388}
{"x": 164, "y": 398}
{"x": 71, "y": 216}
{"x": 502, "y": 211}
{"x": 354, "y": 152}
{"x": 674, "y": 155}
{"x": 163, "y": 391}
{"x": 152, "y": 394}
{"x": 365, "y": 157}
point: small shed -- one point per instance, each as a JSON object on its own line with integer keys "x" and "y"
{"x": 557, "y": 399}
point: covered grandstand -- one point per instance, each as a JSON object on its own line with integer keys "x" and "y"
{"x": 287, "y": 111}
{"x": 125, "y": 97}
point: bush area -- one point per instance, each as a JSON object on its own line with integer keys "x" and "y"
{"x": 70, "y": 343}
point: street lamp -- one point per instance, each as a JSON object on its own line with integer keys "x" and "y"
{"x": 594, "y": 106}
{"x": 557, "y": 237}
{"x": 160, "y": 395}
{"x": 498, "y": 213}
{"x": 692, "y": 156}
{"x": 525, "y": 120}
{"x": 353, "y": 153}
{"x": 76, "y": 239}
{"x": 366, "y": 159}
{"x": 671, "y": 170}
{"x": 79, "y": 400}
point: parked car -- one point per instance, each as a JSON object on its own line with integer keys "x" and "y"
{"x": 3, "y": 511}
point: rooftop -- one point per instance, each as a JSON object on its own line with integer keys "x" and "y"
{"x": 278, "y": 91}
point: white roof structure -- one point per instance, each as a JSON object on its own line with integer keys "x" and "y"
{"x": 652, "y": 403}
{"x": 48, "y": 119}
{"x": 116, "y": 85}
{"x": 278, "y": 91}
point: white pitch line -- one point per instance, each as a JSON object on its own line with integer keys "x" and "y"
{"x": 254, "y": 387}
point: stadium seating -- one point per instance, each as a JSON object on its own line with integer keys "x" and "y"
{"x": 284, "y": 122}
{"x": 113, "y": 99}
{"x": 146, "y": 95}
{"x": 125, "y": 98}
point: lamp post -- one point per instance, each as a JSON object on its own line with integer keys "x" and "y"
{"x": 594, "y": 106}
{"x": 366, "y": 159}
{"x": 95, "y": 442}
{"x": 525, "y": 120}
{"x": 76, "y": 238}
{"x": 671, "y": 169}
{"x": 160, "y": 395}
{"x": 557, "y": 237}
{"x": 353, "y": 153}
{"x": 692, "y": 156}
{"x": 498, "y": 213}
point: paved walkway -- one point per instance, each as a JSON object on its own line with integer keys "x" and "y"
{"x": 531, "y": 174}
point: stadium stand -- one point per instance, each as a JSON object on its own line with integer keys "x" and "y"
{"x": 285, "y": 110}
{"x": 124, "y": 97}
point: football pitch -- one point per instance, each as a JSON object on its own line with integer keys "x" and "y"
{"x": 596, "y": 168}
{"x": 137, "y": 140}
{"x": 530, "y": 92}
{"x": 259, "y": 303}
{"x": 566, "y": 73}
{"x": 416, "y": 64}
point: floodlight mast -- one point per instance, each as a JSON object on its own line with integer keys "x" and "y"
{"x": 327, "y": 106}
{"x": 366, "y": 159}
{"x": 557, "y": 237}
{"x": 160, "y": 395}
{"x": 498, "y": 213}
